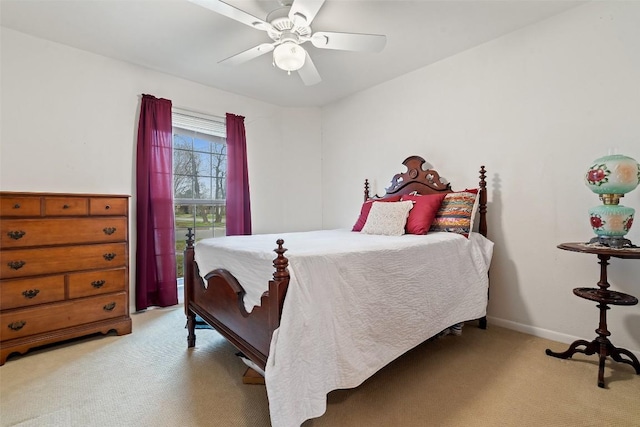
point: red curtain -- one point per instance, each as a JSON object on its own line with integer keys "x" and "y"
{"x": 238, "y": 203}
{"x": 155, "y": 257}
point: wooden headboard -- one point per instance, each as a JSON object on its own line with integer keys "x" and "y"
{"x": 428, "y": 181}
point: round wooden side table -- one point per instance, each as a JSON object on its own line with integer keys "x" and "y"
{"x": 604, "y": 297}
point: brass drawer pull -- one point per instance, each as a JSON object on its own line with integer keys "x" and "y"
{"x": 109, "y": 230}
{"x": 97, "y": 283}
{"x": 31, "y": 293}
{"x": 16, "y": 265}
{"x": 109, "y": 307}
{"x": 109, "y": 257}
{"x": 16, "y": 326}
{"x": 16, "y": 235}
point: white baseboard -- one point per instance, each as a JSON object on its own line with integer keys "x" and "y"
{"x": 540, "y": 332}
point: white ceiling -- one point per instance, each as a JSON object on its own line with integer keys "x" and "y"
{"x": 186, "y": 40}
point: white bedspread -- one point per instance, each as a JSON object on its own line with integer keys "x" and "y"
{"x": 355, "y": 302}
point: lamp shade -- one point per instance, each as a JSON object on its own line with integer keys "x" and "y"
{"x": 614, "y": 174}
{"x": 611, "y": 177}
{"x": 611, "y": 220}
{"x": 289, "y": 56}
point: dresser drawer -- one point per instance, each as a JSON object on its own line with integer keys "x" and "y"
{"x": 34, "y": 262}
{"x": 97, "y": 282}
{"x": 66, "y": 206}
{"x": 19, "y": 233}
{"x": 25, "y": 292}
{"x": 36, "y": 320}
{"x": 108, "y": 206}
{"x": 19, "y": 206}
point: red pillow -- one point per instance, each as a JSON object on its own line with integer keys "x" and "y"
{"x": 423, "y": 212}
{"x": 366, "y": 207}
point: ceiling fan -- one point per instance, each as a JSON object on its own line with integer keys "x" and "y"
{"x": 289, "y": 27}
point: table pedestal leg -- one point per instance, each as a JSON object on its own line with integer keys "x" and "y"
{"x": 602, "y": 346}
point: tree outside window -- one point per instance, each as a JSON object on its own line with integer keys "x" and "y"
{"x": 199, "y": 184}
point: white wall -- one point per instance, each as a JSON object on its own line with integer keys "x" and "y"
{"x": 69, "y": 124}
{"x": 536, "y": 107}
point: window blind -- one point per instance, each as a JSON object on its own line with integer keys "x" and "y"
{"x": 197, "y": 122}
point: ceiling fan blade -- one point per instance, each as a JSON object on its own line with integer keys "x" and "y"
{"x": 234, "y": 13}
{"x": 302, "y": 12}
{"x": 248, "y": 54}
{"x": 349, "y": 41}
{"x": 309, "y": 73}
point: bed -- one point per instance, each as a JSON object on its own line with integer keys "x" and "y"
{"x": 335, "y": 306}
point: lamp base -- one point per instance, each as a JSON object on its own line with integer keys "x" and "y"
{"x": 616, "y": 242}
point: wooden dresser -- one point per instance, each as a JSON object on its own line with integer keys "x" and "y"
{"x": 64, "y": 268}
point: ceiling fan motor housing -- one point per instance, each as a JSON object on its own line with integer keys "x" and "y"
{"x": 283, "y": 25}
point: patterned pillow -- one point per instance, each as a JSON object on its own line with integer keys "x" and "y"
{"x": 387, "y": 219}
{"x": 456, "y": 213}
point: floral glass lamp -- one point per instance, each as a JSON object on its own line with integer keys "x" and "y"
{"x": 612, "y": 177}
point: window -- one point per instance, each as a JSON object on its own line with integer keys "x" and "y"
{"x": 199, "y": 177}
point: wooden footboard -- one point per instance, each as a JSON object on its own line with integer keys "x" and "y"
{"x": 219, "y": 302}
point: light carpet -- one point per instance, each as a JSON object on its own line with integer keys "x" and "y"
{"x": 493, "y": 377}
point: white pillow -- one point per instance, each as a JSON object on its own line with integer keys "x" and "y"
{"x": 387, "y": 218}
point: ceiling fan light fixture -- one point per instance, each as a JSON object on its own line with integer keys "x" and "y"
{"x": 289, "y": 56}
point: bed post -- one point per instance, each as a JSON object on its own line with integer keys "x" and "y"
{"x": 278, "y": 286}
{"x": 188, "y": 287}
{"x": 366, "y": 189}
{"x": 483, "y": 202}
{"x": 483, "y": 224}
